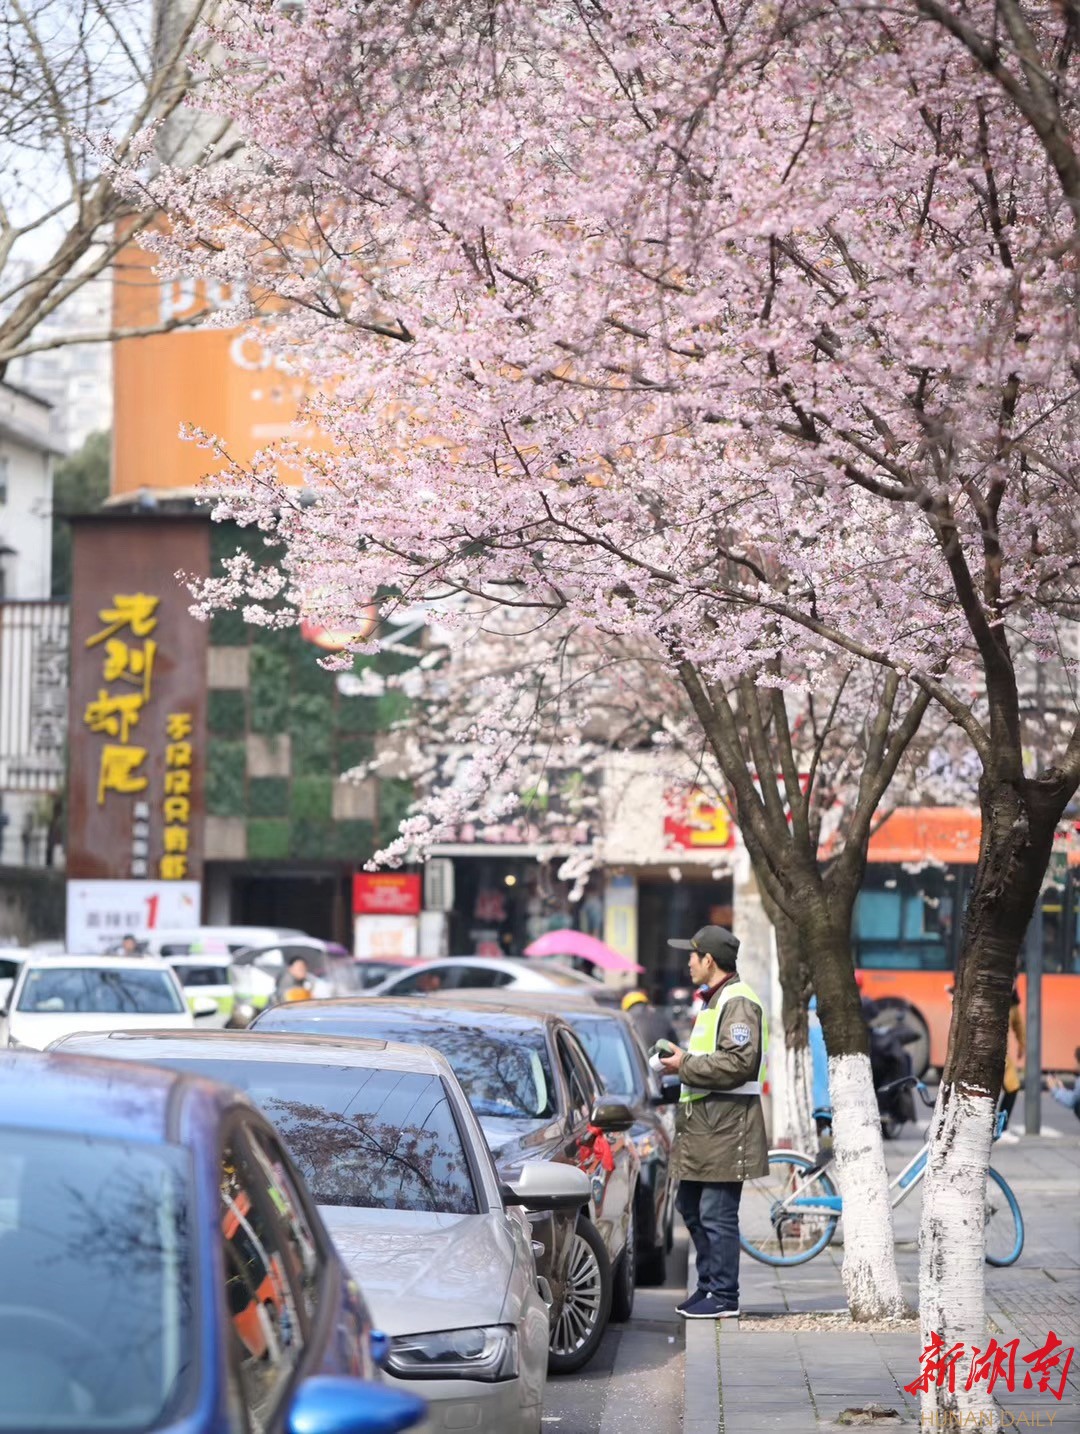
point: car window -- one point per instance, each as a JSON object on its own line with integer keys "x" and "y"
{"x": 607, "y": 1044}
{"x": 9, "y": 969}
{"x": 202, "y": 975}
{"x": 424, "y": 981}
{"x": 99, "y": 990}
{"x": 295, "y": 1225}
{"x": 360, "y": 1137}
{"x": 96, "y": 1282}
{"x": 479, "y": 977}
{"x": 176, "y": 948}
{"x": 260, "y": 1298}
{"x": 579, "y": 1077}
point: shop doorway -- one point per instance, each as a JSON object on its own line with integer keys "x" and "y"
{"x": 669, "y": 908}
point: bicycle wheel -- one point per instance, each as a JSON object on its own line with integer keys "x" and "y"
{"x": 771, "y": 1230}
{"x": 1004, "y": 1222}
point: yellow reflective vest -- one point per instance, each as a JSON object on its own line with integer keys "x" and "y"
{"x": 703, "y": 1042}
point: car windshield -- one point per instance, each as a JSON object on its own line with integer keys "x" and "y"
{"x": 505, "y": 1073}
{"x": 98, "y": 990}
{"x": 202, "y": 975}
{"x": 370, "y": 1138}
{"x": 608, "y": 1047}
{"x": 96, "y": 1283}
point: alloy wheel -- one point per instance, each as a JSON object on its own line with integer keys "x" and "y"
{"x": 582, "y": 1300}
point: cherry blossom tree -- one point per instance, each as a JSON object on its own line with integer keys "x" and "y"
{"x": 744, "y": 331}
{"x": 82, "y": 81}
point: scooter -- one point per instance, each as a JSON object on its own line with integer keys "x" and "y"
{"x": 890, "y": 1062}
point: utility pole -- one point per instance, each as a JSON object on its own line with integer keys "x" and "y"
{"x": 1033, "y": 967}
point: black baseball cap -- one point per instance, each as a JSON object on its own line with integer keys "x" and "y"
{"x": 714, "y": 941}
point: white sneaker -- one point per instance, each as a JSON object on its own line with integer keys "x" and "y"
{"x": 1008, "y": 1138}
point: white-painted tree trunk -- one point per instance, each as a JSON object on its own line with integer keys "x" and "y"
{"x": 952, "y": 1244}
{"x": 869, "y": 1271}
{"x": 794, "y": 1118}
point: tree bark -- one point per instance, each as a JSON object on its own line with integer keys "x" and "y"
{"x": 871, "y": 1281}
{"x": 793, "y": 1122}
{"x": 1018, "y": 822}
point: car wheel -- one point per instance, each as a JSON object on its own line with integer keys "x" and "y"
{"x": 579, "y": 1326}
{"x": 652, "y": 1266}
{"x": 622, "y": 1294}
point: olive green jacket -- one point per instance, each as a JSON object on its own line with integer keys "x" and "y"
{"x": 723, "y": 1136}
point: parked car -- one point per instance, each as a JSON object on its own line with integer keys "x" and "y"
{"x": 612, "y": 1045}
{"x": 55, "y": 995}
{"x": 11, "y": 960}
{"x": 163, "y": 1268}
{"x": 388, "y": 1146}
{"x": 536, "y": 1096}
{"x": 206, "y": 978}
{"x": 216, "y": 940}
{"x": 466, "y": 973}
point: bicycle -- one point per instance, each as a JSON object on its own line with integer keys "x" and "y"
{"x": 792, "y": 1213}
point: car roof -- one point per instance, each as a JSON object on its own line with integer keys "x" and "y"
{"x": 559, "y": 1002}
{"x": 58, "y": 1092}
{"x": 112, "y": 963}
{"x": 200, "y": 958}
{"x": 420, "y": 1009}
{"x": 280, "y": 1046}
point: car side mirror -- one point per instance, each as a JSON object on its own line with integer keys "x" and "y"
{"x": 203, "y": 1006}
{"x": 336, "y": 1404}
{"x": 548, "y": 1185}
{"x": 613, "y": 1115}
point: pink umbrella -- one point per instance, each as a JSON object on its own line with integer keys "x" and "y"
{"x": 576, "y": 943}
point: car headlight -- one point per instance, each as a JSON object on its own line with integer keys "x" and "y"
{"x": 488, "y": 1353}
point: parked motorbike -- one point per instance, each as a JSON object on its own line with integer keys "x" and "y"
{"x": 889, "y": 1062}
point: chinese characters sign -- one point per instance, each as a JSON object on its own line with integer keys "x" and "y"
{"x": 138, "y": 694}
{"x": 1043, "y": 1369}
{"x": 696, "y": 821}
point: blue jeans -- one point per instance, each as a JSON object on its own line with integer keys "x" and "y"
{"x": 711, "y": 1211}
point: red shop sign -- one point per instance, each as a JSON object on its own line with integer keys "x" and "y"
{"x": 385, "y": 893}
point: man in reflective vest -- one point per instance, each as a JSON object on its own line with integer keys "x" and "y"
{"x": 720, "y": 1127}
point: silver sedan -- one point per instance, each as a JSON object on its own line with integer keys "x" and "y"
{"x": 404, "y": 1181}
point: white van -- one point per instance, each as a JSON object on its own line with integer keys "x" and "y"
{"x": 212, "y": 940}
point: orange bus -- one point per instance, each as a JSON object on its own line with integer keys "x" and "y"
{"x": 909, "y": 914}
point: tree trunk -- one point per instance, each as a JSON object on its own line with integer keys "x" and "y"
{"x": 871, "y": 1281}
{"x": 793, "y": 1122}
{"x": 1017, "y": 837}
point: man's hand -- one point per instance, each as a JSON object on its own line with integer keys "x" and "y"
{"x": 671, "y": 1064}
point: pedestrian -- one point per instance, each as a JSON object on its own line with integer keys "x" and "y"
{"x": 1010, "y": 1080}
{"x": 1061, "y": 1092}
{"x": 293, "y": 983}
{"x": 129, "y": 946}
{"x": 720, "y": 1125}
{"x": 649, "y": 1021}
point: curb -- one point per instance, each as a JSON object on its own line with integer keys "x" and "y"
{"x": 702, "y": 1408}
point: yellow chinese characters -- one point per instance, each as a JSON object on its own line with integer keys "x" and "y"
{"x": 116, "y": 710}
{"x": 176, "y": 806}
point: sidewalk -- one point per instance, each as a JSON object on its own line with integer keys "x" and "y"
{"x": 789, "y": 1365}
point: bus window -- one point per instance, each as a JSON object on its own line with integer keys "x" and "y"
{"x": 905, "y": 920}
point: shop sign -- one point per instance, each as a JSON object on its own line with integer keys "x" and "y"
{"x": 101, "y": 913}
{"x": 386, "y": 893}
{"x": 138, "y": 694}
{"x": 696, "y": 821}
{"x": 379, "y": 937}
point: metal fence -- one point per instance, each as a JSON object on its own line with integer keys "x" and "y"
{"x": 33, "y": 695}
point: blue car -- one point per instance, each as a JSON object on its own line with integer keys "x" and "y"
{"x": 162, "y": 1266}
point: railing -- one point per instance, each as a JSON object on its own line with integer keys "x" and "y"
{"x": 33, "y": 694}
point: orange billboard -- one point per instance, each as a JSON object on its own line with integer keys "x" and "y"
{"x": 219, "y": 380}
